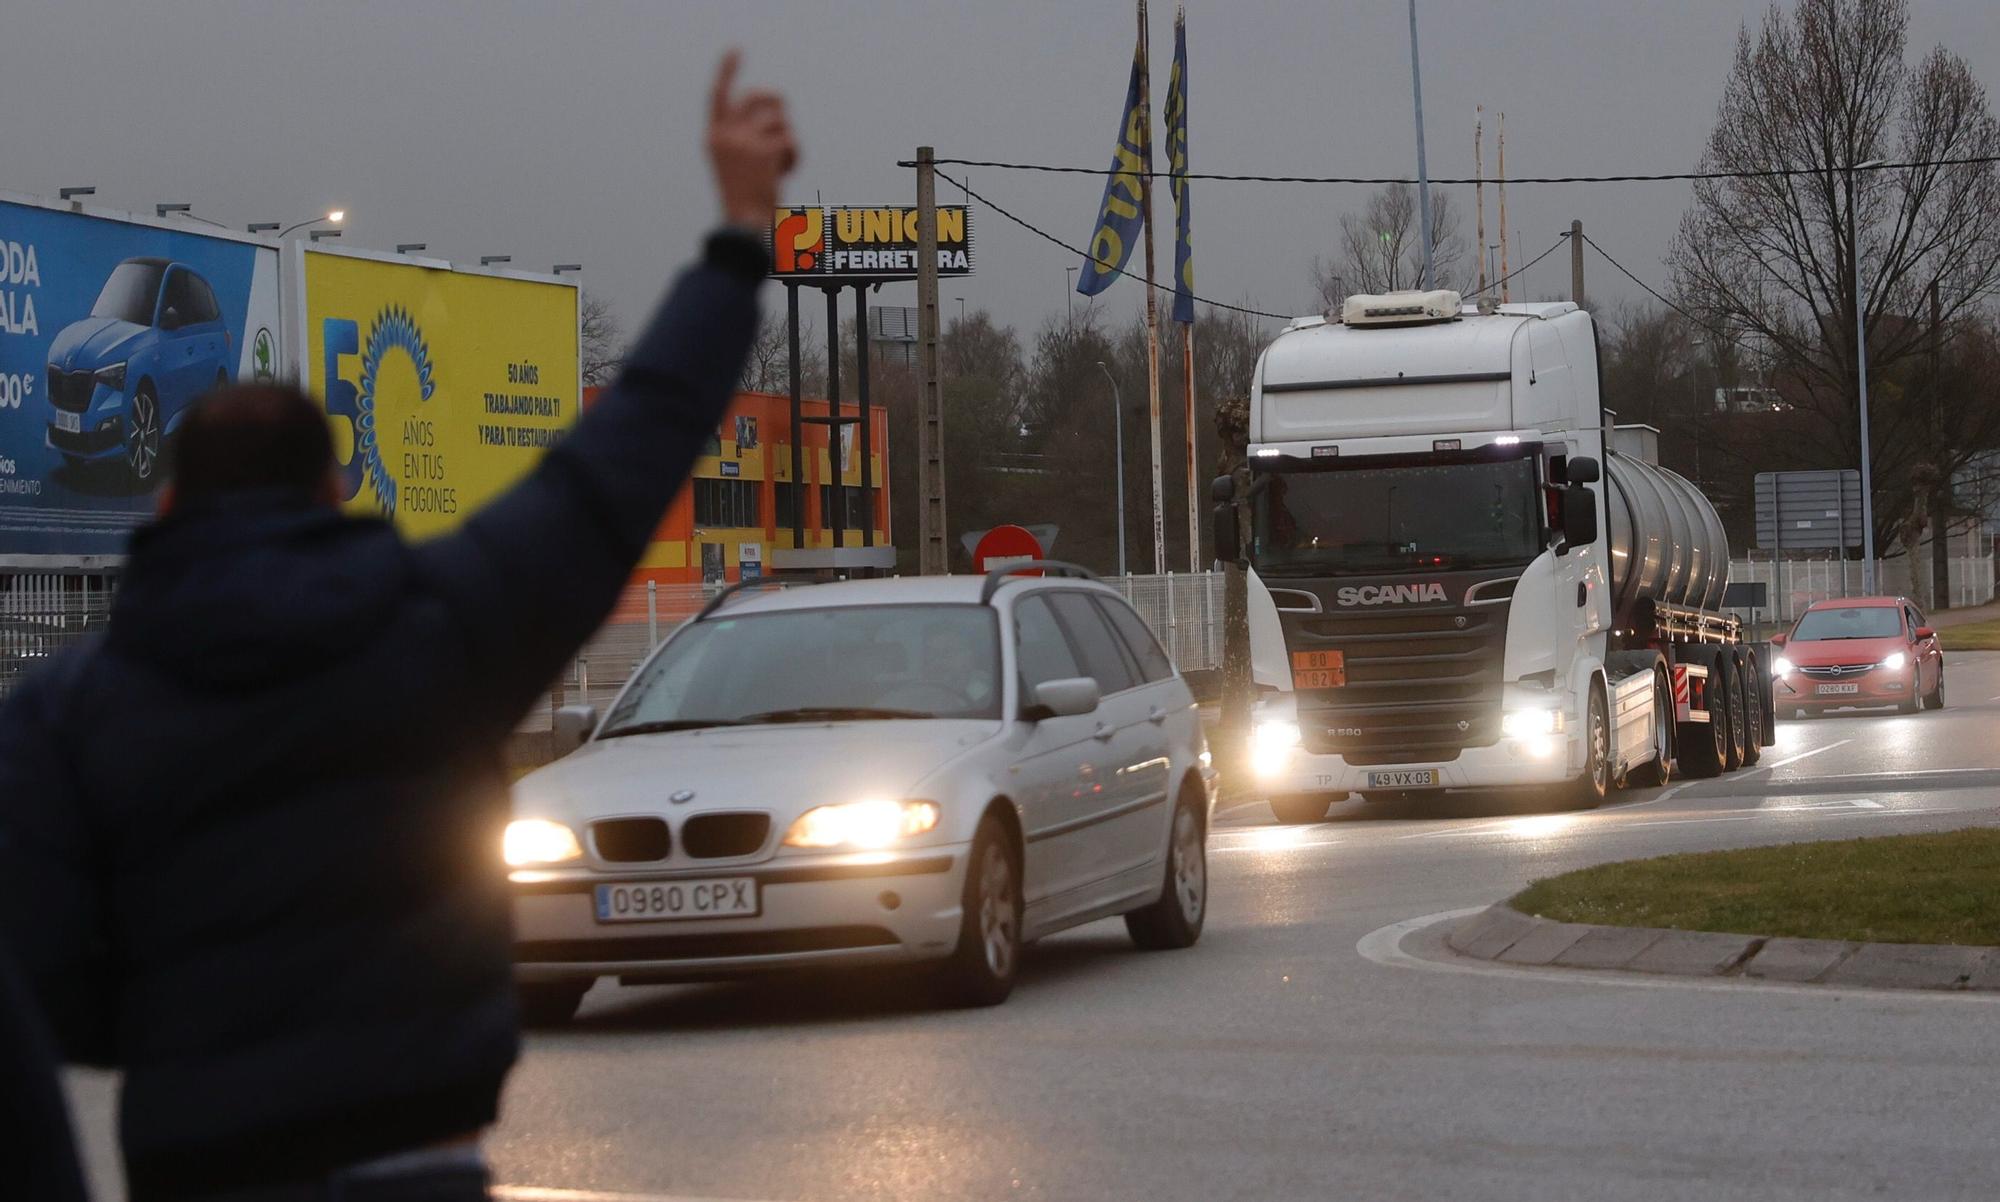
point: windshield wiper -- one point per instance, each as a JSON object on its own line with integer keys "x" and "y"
{"x": 667, "y": 725}
{"x": 830, "y": 713}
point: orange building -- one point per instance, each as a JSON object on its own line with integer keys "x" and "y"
{"x": 734, "y": 518}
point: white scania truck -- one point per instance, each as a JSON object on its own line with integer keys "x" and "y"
{"x": 1459, "y": 583}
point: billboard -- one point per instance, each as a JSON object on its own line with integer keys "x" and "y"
{"x": 110, "y": 326}
{"x": 443, "y": 386}
{"x": 828, "y": 244}
{"x": 1808, "y": 511}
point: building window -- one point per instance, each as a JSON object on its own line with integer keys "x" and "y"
{"x": 728, "y": 503}
{"x": 784, "y": 494}
{"x": 860, "y": 513}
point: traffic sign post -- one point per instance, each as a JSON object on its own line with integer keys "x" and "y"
{"x": 1005, "y": 545}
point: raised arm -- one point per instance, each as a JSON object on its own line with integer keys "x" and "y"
{"x": 534, "y": 573}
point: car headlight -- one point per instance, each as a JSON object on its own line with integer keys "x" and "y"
{"x": 1271, "y": 743}
{"x": 539, "y": 841}
{"x": 863, "y": 824}
{"x": 1782, "y": 667}
{"x": 112, "y": 376}
{"x": 1536, "y": 722}
{"x": 1896, "y": 660}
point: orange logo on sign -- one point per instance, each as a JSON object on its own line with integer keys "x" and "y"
{"x": 798, "y": 238}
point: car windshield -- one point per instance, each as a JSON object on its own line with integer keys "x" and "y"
{"x": 1379, "y": 519}
{"x": 813, "y": 665}
{"x": 1850, "y": 622}
{"x": 129, "y": 294}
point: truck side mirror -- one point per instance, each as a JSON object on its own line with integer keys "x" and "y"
{"x": 1222, "y": 489}
{"x": 1222, "y": 530}
{"x": 1582, "y": 469}
{"x": 1579, "y": 514}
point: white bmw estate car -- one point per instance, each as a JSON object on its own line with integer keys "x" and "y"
{"x": 915, "y": 771}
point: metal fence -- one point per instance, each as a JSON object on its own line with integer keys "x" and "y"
{"x": 1793, "y": 584}
{"x": 40, "y": 615}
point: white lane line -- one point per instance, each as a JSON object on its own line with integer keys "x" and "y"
{"x": 537, "y": 1193}
{"x": 1384, "y": 946}
{"x": 1669, "y": 795}
{"x": 1802, "y": 755}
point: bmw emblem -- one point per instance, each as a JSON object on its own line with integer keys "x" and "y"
{"x": 679, "y": 796}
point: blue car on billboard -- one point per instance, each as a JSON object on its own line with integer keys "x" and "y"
{"x": 121, "y": 379}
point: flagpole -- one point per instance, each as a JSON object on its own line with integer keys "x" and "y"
{"x": 1152, "y": 302}
{"x": 1194, "y": 489}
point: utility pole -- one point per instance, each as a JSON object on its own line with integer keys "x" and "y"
{"x": 1423, "y": 172}
{"x": 933, "y": 558}
{"x": 1506, "y": 292}
{"x": 1479, "y": 189}
{"x": 1861, "y": 383}
{"x": 1576, "y": 262}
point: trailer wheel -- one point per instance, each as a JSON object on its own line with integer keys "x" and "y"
{"x": 1751, "y": 670}
{"x": 1660, "y": 769}
{"x": 1705, "y": 745}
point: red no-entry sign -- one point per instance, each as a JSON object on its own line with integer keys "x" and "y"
{"x": 1005, "y": 545}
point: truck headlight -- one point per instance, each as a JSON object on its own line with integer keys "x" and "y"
{"x": 862, "y": 824}
{"x": 1532, "y": 723}
{"x": 1896, "y": 660}
{"x": 1271, "y": 743}
{"x": 539, "y": 841}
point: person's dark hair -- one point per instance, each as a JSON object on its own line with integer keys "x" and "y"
{"x": 252, "y": 436}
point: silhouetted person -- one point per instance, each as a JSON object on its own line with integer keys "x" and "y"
{"x": 252, "y": 851}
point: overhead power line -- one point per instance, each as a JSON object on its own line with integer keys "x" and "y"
{"x": 1553, "y": 248}
{"x": 1046, "y": 236}
{"x": 1622, "y": 270}
{"x": 1659, "y": 177}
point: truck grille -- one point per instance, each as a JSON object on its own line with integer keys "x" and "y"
{"x": 71, "y": 390}
{"x": 1421, "y": 687}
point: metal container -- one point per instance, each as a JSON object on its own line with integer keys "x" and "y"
{"x": 1667, "y": 544}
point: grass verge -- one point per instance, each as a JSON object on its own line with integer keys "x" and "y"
{"x": 1896, "y": 889}
{"x": 1971, "y": 636}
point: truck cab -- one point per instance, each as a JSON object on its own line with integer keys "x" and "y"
{"x": 1431, "y": 598}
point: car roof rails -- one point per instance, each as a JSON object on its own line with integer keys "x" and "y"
{"x": 1048, "y": 567}
{"x": 715, "y": 602}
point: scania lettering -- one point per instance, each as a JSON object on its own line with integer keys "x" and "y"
{"x": 1490, "y": 585}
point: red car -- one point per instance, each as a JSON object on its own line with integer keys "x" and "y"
{"x": 1859, "y": 651}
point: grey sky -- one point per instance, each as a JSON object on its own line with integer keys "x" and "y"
{"x": 571, "y": 131}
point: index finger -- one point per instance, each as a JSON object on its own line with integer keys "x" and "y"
{"x": 725, "y": 80}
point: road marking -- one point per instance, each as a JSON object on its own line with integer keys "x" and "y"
{"x": 1802, "y": 755}
{"x": 1384, "y": 946}
{"x": 537, "y": 1193}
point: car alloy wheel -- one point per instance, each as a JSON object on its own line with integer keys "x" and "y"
{"x": 1190, "y": 866}
{"x": 142, "y": 445}
{"x": 999, "y": 930}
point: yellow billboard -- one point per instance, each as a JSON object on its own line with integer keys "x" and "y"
{"x": 443, "y": 387}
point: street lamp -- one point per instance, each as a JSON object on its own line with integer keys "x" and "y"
{"x": 1861, "y": 377}
{"x": 332, "y": 217}
{"x": 1118, "y": 413}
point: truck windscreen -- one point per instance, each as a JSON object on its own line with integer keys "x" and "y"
{"x": 1386, "y": 519}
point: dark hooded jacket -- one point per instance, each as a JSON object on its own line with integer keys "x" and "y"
{"x": 253, "y": 853}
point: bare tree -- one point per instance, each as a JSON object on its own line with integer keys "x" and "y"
{"x": 601, "y": 342}
{"x": 768, "y": 368}
{"x": 1824, "y": 88}
{"x": 1382, "y": 250}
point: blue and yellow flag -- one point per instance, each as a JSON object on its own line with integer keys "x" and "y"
{"x": 1119, "y": 221}
{"x": 1177, "y": 166}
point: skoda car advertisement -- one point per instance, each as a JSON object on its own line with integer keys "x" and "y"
{"x": 110, "y": 328}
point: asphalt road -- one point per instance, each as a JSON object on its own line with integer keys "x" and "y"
{"x": 1278, "y": 1059}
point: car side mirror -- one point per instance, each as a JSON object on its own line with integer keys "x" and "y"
{"x": 1780, "y": 639}
{"x": 1926, "y": 632}
{"x": 1582, "y": 469}
{"x": 1579, "y": 516}
{"x": 1063, "y": 698}
{"x": 571, "y": 727}
{"x": 171, "y": 319}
